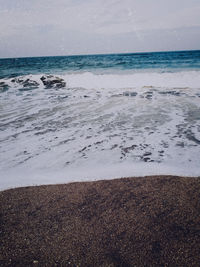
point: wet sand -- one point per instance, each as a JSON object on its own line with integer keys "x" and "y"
{"x": 149, "y": 221}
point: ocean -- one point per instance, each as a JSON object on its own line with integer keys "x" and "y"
{"x": 79, "y": 118}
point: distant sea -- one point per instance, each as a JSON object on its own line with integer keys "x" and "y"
{"x": 88, "y": 117}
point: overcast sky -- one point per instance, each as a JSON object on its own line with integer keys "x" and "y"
{"x": 64, "y": 27}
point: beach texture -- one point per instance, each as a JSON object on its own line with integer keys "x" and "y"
{"x": 149, "y": 221}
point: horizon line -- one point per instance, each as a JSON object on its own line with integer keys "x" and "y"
{"x": 104, "y": 54}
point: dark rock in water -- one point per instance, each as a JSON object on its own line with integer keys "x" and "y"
{"x": 17, "y": 80}
{"x": 126, "y": 93}
{"x": 3, "y": 87}
{"x": 51, "y": 81}
{"x": 190, "y": 136}
{"x": 133, "y": 93}
{"x": 181, "y": 144}
{"x": 146, "y": 159}
{"x": 130, "y": 93}
{"x": 30, "y": 83}
{"x": 174, "y": 93}
{"x": 149, "y": 94}
{"x": 128, "y": 149}
{"x": 26, "y": 83}
{"x": 147, "y": 154}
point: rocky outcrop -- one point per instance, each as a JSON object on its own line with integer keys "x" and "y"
{"x": 3, "y": 87}
{"x": 51, "y": 81}
{"x": 26, "y": 83}
{"x": 30, "y": 83}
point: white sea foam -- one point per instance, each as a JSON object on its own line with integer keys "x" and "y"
{"x": 99, "y": 127}
{"x": 22, "y": 177}
{"x": 90, "y": 80}
{"x": 140, "y": 79}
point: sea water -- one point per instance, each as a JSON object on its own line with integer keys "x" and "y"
{"x": 113, "y": 116}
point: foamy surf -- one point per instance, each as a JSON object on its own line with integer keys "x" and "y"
{"x": 89, "y": 80}
{"x": 168, "y": 80}
{"x": 84, "y": 125}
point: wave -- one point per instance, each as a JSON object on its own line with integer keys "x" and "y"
{"x": 90, "y": 80}
{"x": 179, "y": 79}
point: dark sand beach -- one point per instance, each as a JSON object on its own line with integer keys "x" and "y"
{"x": 149, "y": 221}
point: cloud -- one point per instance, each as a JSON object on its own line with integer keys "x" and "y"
{"x": 95, "y": 26}
{"x": 55, "y": 41}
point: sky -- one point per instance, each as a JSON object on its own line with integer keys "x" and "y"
{"x": 69, "y": 27}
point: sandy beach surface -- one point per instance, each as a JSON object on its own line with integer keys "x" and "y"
{"x": 148, "y": 221}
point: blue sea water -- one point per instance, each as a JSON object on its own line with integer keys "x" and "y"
{"x": 89, "y": 117}
{"x": 155, "y": 61}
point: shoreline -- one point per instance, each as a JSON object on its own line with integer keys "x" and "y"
{"x": 23, "y": 177}
{"x": 89, "y": 180}
{"x": 150, "y": 220}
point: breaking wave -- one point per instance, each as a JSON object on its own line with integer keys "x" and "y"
{"x": 89, "y": 80}
{"x": 140, "y": 79}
